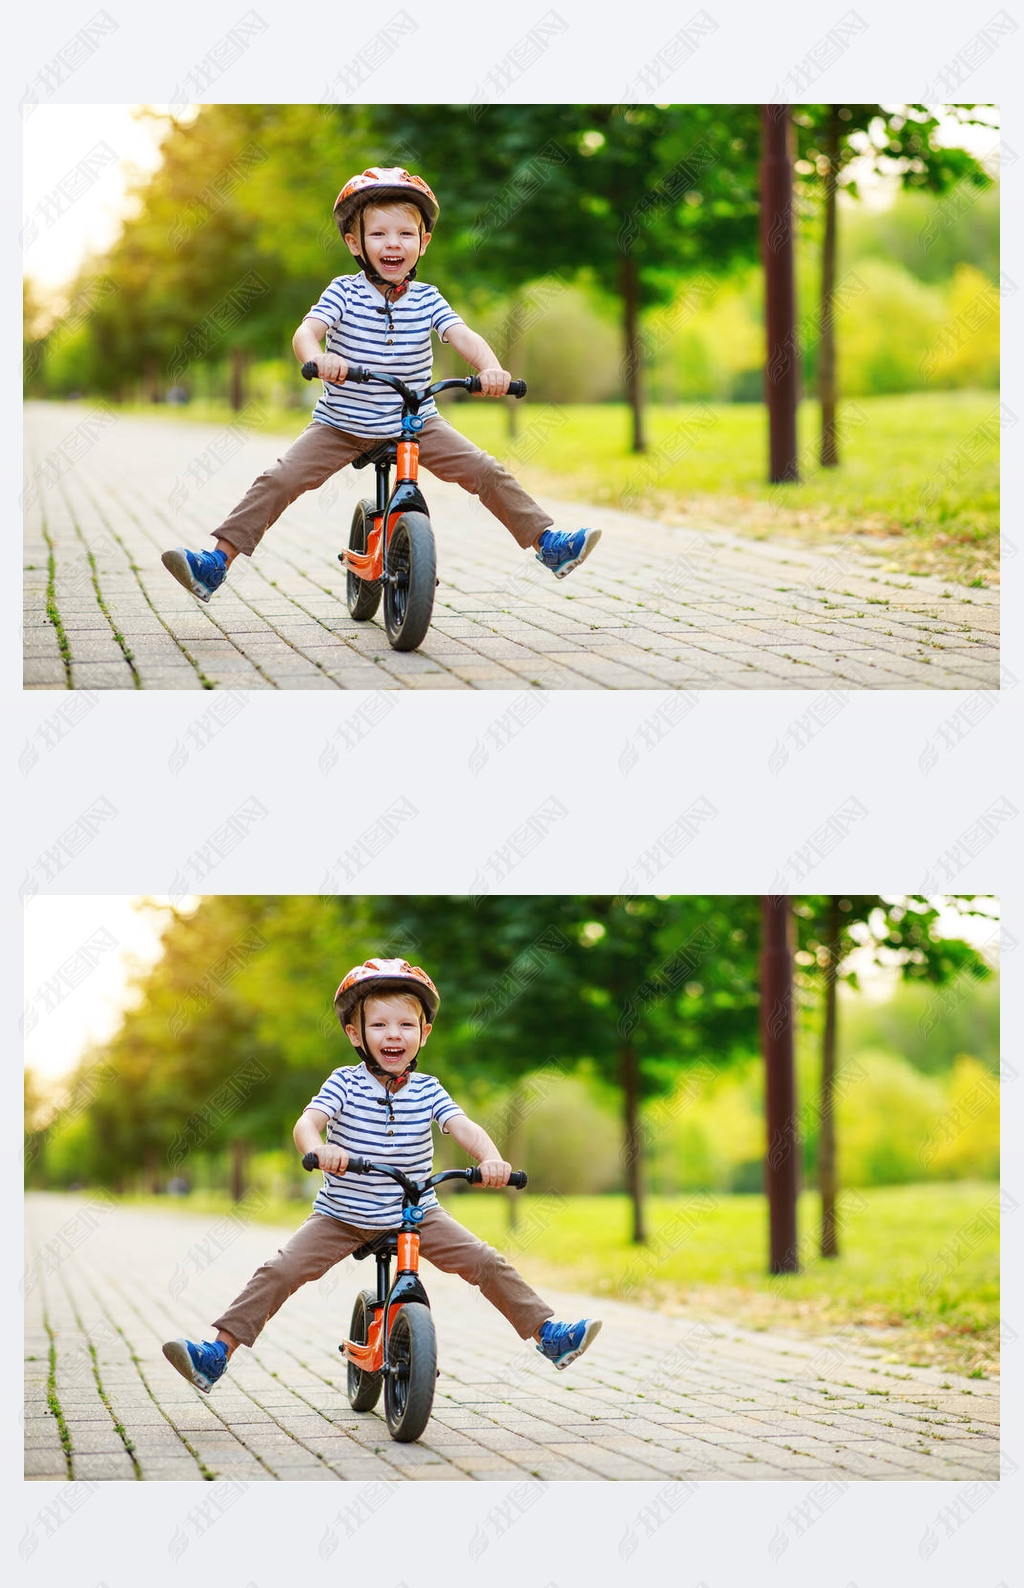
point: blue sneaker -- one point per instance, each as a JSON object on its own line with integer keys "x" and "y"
{"x": 562, "y": 552}
{"x": 562, "y": 1343}
{"x": 201, "y": 1364}
{"x": 201, "y": 572}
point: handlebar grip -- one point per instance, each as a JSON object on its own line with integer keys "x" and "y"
{"x": 310, "y": 1161}
{"x": 517, "y": 1179}
{"x": 355, "y": 372}
{"x": 516, "y": 388}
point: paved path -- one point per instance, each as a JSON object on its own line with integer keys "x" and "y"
{"x": 655, "y": 1397}
{"x": 654, "y": 608}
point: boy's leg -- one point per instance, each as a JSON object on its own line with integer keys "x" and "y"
{"x": 451, "y": 456}
{"x": 314, "y": 1248}
{"x": 445, "y": 1243}
{"x": 319, "y": 452}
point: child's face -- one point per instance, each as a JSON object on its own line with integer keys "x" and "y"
{"x": 394, "y": 1034}
{"x": 395, "y": 239}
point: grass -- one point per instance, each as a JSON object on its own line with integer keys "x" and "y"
{"x": 919, "y": 478}
{"x": 902, "y": 1276}
{"x": 708, "y": 1256}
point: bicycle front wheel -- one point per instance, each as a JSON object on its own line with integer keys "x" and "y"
{"x": 363, "y": 1388}
{"x": 361, "y": 595}
{"x": 409, "y": 1387}
{"x": 411, "y": 582}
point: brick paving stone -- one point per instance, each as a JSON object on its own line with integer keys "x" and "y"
{"x": 105, "y": 1467}
{"x": 647, "y": 611}
{"x": 656, "y": 1398}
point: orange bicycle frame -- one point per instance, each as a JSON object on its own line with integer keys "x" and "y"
{"x": 369, "y": 564}
{"x": 369, "y": 1357}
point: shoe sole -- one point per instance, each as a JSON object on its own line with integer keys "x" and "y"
{"x": 592, "y": 1332}
{"x": 176, "y": 563}
{"x": 177, "y": 1355}
{"x": 590, "y": 543}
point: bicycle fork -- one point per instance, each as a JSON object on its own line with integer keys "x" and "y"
{"x": 372, "y": 1356}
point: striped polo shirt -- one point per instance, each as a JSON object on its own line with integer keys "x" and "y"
{"x": 362, "y": 1123}
{"x": 359, "y": 332}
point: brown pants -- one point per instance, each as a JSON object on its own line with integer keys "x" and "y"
{"x": 323, "y": 1241}
{"x": 322, "y": 450}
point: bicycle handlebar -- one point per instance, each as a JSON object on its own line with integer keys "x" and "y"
{"x": 470, "y": 383}
{"x": 517, "y": 1179}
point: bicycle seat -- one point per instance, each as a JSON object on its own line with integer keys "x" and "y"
{"x": 383, "y": 452}
{"x": 387, "y": 1241}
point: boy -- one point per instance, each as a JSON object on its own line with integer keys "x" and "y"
{"x": 387, "y": 1008}
{"x": 381, "y": 318}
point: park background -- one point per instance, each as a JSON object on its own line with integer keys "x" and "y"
{"x": 612, "y": 1046}
{"x": 612, "y": 256}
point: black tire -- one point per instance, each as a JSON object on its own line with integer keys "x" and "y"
{"x": 363, "y": 599}
{"x": 409, "y": 1394}
{"x": 363, "y": 1388}
{"x": 409, "y": 589}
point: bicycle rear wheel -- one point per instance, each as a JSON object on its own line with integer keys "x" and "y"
{"x": 412, "y": 580}
{"x": 363, "y": 1388}
{"x": 362, "y": 596}
{"x": 409, "y": 1389}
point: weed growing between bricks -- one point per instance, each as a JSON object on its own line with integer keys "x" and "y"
{"x": 51, "y": 605}
{"x": 52, "y": 1400}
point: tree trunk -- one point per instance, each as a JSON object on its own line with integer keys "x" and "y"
{"x": 782, "y": 365}
{"x": 782, "y": 1160}
{"x": 239, "y": 1157}
{"x": 631, "y": 332}
{"x": 827, "y": 1136}
{"x": 632, "y": 1146}
{"x": 827, "y": 344}
{"x": 512, "y": 1146}
{"x": 239, "y": 361}
{"x": 509, "y": 347}
{"x": 150, "y": 380}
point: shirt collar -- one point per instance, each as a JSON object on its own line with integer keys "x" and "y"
{"x": 378, "y": 1085}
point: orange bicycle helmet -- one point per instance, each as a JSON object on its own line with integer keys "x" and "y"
{"x": 377, "y": 977}
{"x": 382, "y": 185}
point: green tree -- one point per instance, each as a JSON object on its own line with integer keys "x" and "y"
{"x": 628, "y": 196}
{"x": 837, "y": 932}
{"x": 626, "y": 988}
{"x": 833, "y": 143}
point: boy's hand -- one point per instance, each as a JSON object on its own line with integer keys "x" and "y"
{"x": 331, "y": 367}
{"x": 333, "y": 1159}
{"x": 494, "y": 1171}
{"x": 494, "y": 383}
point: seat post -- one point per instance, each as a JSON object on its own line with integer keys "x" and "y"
{"x": 383, "y": 486}
{"x": 383, "y": 1274}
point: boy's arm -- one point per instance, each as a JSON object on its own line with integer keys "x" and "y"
{"x": 493, "y": 379}
{"x": 493, "y": 1168}
{"x": 308, "y": 1136}
{"x": 307, "y": 349}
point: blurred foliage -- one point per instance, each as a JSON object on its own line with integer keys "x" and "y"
{"x": 929, "y": 1026}
{"x": 232, "y": 238}
{"x": 233, "y": 1030}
